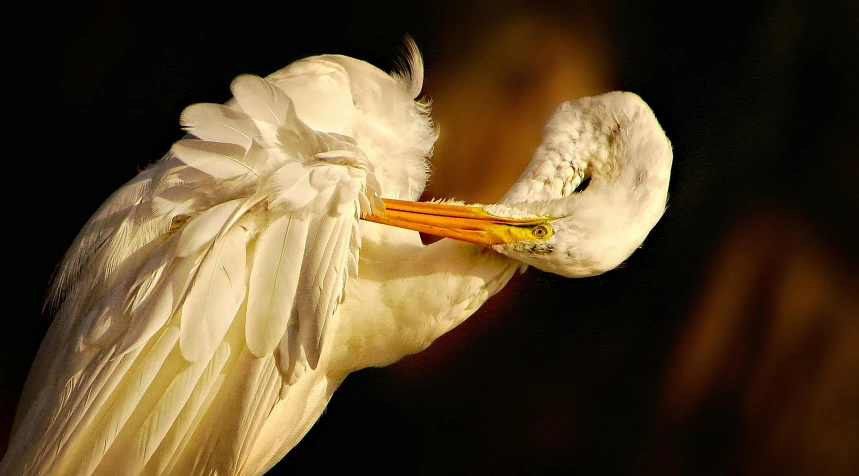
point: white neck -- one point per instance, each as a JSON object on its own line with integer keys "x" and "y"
{"x": 411, "y": 294}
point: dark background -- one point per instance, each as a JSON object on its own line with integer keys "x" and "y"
{"x": 553, "y": 376}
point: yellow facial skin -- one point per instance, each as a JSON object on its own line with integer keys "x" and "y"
{"x": 464, "y": 223}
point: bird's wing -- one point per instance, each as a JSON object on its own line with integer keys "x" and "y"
{"x": 197, "y": 295}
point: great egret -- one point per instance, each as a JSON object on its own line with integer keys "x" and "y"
{"x": 212, "y": 305}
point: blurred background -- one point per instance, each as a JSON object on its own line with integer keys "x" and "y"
{"x": 729, "y": 344}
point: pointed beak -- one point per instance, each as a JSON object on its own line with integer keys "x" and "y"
{"x": 464, "y": 223}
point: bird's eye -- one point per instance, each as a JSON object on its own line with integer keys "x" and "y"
{"x": 540, "y": 231}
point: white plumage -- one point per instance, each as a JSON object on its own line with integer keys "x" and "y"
{"x": 212, "y": 305}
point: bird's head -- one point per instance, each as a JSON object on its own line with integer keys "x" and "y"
{"x": 594, "y": 189}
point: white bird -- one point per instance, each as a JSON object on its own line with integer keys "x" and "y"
{"x": 212, "y": 305}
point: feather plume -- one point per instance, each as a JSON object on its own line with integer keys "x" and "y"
{"x": 102, "y": 224}
{"x": 410, "y": 68}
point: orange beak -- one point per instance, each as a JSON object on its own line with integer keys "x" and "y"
{"x": 464, "y": 223}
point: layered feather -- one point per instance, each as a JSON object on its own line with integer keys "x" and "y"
{"x": 274, "y": 282}
{"x": 215, "y": 297}
{"x": 219, "y": 123}
{"x": 203, "y": 290}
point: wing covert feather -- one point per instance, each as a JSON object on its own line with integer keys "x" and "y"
{"x": 274, "y": 281}
{"x": 202, "y": 289}
{"x": 219, "y": 123}
{"x": 215, "y": 296}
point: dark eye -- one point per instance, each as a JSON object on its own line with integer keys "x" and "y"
{"x": 540, "y": 231}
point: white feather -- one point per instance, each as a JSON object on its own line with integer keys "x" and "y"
{"x": 411, "y": 69}
{"x": 102, "y": 224}
{"x": 215, "y": 296}
{"x": 291, "y": 188}
{"x": 261, "y": 100}
{"x": 266, "y": 104}
{"x": 203, "y": 228}
{"x": 148, "y": 277}
{"x": 159, "y": 359}
{"x": 161, "y": 306}
{"x": 273, "y": 282}
{"x": 333, "y": 282}
{"x": 256, "y": 385}
{"x": 149, "y": 436}
{"x": 320, "y": 91}
{"x": 322, "y": 236}
{"x": 172, "y": 444}
{"x": 219, "y": 123}
{"x": 218, "y": 159}
{"x": 266, "y": 395}
{"x": 100, "y": 439}
{"x": 288, "y": 351}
